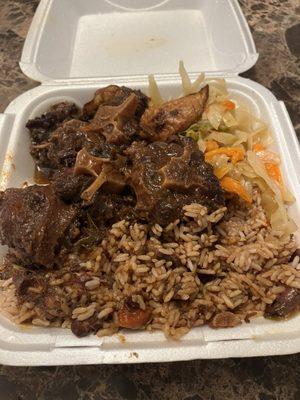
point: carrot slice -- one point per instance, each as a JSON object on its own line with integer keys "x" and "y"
{"x": 210, "y": 145}
{"x": 272, "y": 169}
{"x": 232, "y": 186}
{"x": 235, "y": 153}
{"x": 258, "y": 147}
{"x": 273, "y": 172}
{"x": 229, "y": 104}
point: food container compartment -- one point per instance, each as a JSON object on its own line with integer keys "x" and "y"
{"x": 84, "y": 64}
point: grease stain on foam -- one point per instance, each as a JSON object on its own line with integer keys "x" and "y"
{"x": 121, "y": 338}
{"x": 136, "y": 45}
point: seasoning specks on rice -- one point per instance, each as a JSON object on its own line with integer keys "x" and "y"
{"x": 214, "y": 279}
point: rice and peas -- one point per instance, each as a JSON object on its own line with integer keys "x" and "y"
{"x": 219, "y": 268}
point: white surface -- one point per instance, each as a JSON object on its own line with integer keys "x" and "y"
{"x": 70, "y": 45}
{"x": 83, "y": 39}
{"x": 44, "y": 346}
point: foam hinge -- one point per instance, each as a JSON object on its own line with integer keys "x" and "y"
{"x": 69, "y": 340}
{"x": 241, "y": 332}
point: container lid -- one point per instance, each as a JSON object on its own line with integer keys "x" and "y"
{"x": 111, "y": 38}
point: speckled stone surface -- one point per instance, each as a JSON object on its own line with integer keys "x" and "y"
{"x": 275, "y": 25}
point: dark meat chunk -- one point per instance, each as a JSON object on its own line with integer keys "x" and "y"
{"x": 65, "y": 142}
{"x": 22, "y": 280}
{"x": 33, "y": 222}
{"x": 69, "y": 139}
{"x": 104, "y": 210}
{"x": 84, "y": 328}
{"x": 131, "y": 129}
{"x": 114, "y": 95}
{"x": 160, "y": 123}
{"x": 103, "y": 96}
{"x": 286, "y": 304}
{"x": 69, "y": 186}
{"x": 41, "y": 127}
{"x": 110, "y": 208}
{"x": 110, "y": 120}
{"x": 58, "y": 135}
{"x": 167, "y": 176}
{"x": 62, "y": 146}
{"x": 123, "y": 93}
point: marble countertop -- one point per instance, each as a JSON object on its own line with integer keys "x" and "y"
{"x": 275, "y": 25}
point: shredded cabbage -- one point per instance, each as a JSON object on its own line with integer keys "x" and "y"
{"x": 229, "y": 119}
{"x": 222, "y": 137}
{"x": 230, "y": 123}
{"x": 215, "y": 114}
{"x": 187, "y": 86}
{"x": 154, "y": 93}
{"x": 185, "y": 79}
{"x": 279, "y": 218}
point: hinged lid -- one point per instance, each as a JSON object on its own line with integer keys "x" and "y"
{"x": 110, "y": 38}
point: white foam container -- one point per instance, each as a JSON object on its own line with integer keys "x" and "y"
{"x": 76, "y": 46}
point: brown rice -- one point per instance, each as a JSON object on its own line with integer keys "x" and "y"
{"x": 186, "y": 273}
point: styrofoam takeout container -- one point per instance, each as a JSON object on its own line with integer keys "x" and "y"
{"x": 74, "y": 47}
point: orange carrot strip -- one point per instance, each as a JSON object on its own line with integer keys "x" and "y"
{"x": 229, "y": 104}
{"x": 235, "y": 153}
{"x": 272, "y": 169}
{"x": 258, "y": 147}
{"x": 232, "y": 186}
{"x": 210, "y": 145}
{"x": 273, "y": 172}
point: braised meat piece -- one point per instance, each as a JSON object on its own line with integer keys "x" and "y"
{"x": 103, "y": 96}
{"x": 88, "y": 164}
{"x": 84, "y": 328}
{"x": 41, "y": 127}
{"x": 114, "y": 95}
{"x": 167, "y": 176}
{"x": 160, "y": 123}
{"x": 61, "y": 147}
{"x": 69, "y": 186}
{"x": 113, "y": 117}
{"x": 33, "y": 221}
{"x": 286, "y": 304}
{"x": 66, "y": 141}
{"x": 107, "y": 173}
{"x": 110, "y": 208}
{"x": 115, "y": 113}
{"x": 22, "y": 281}
{"x": 110, "y": 120}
